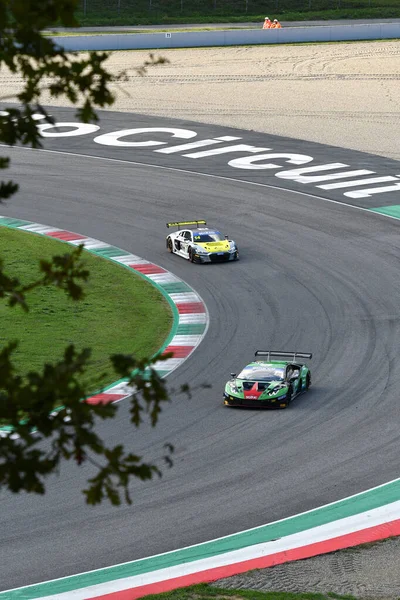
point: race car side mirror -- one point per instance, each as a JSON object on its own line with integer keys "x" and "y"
{"x": 233, "y": 375}
{"x": 227, "y": 237}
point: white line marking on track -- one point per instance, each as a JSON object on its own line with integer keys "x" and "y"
{"x": 210, "y": 175}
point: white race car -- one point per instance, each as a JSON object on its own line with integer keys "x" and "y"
{"x": 198, "y": 243}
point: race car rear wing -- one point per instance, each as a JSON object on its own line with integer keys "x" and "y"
{"x": 179, "y": 224}
{"x": 295, "y": 355}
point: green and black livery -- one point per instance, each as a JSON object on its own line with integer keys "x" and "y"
{"x": 270, "y": 383}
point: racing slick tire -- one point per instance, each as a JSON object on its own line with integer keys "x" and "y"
{"x": 308, "y": 381}
{"x": 191, "y": 255}
{"x": 289, "y": 396}
{"x": 169, "y": 245}
{"x": 236, "y": 255}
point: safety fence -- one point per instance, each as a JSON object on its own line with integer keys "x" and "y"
{"x": 247, "y": 37}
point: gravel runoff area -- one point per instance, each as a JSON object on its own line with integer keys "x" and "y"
{"x": 344, "y": 94}
{"x": 368, "y": 572}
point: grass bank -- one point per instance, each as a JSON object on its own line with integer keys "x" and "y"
{"x": 208, "y": 592}
{"x": 121, "y": 313}
{"x": 160, "y": 12}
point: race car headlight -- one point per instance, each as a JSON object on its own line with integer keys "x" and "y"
{"x": 200, "y": 250}
{"x": 233, "y": 387}
{"x": 232, "y": 247}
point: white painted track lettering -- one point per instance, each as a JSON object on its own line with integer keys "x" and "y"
{"x": 236, "y": 148}
{"x": 79, "y": 129}
{"x": 247, "y": 162}
{"x": 358, "y": 182}
{"x": 113, "y": 138}
{"x": 35, "y": 116}
{"x": 198, "y": 144}
{"x": 378, "y": 190}
{"x": 342, "y": 175}
{"x": 298, "y": 174}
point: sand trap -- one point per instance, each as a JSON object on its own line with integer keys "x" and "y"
{"x": 345, "y": 94}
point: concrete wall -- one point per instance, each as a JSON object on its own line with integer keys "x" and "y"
{"x": 247, "y": 37}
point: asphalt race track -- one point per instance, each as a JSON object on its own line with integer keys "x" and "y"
{"x": 314, "y": 276}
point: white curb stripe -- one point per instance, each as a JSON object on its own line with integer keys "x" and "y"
{"x": 185, "y": 340}
{"x": 120, "y": 388}
{"x": 138, "y": 262}
{"x": 167, "y": 365}
{"x": 185, "y": 319}
{"x": 89, "y": 243}
{"x": 43, "y": 229}
{"x": 180, "y": 297}
{"x": 161, "y": 278}
{"x": 377, "y": 516}
{"x": 130, "y": 259}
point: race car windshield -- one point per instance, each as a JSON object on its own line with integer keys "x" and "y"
{"x": 259, "y": 373}
{"x": 210, "y": 236}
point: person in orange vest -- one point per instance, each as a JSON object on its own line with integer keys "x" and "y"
{"x": 276, "y": 24}
{"x": 267, "y": 23}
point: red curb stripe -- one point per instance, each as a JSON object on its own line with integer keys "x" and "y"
{"x": 66, "y": 236}
{"x": 191, "y": 307}
{"x": 104, "y": 398}
{"x": 179, "y": 351}
{"x": 371, "y": 534}
{"x": 148, "y": 269}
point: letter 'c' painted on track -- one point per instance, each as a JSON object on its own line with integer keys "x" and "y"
{"x": 247, "y": 161}
{"x": 79, "y": 129}
{"x": 113, "y": 138}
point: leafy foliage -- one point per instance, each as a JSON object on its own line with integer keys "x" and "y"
{"x": 35, "y": 438}
{"x": 27, "y": 403}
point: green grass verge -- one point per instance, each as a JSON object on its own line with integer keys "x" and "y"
{"x": 204, "y": 591}
{"x": 121, "y": 312}
{"x": 103, "y": 14}
{"x": 51, "y": 33}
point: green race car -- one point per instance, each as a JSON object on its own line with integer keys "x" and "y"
{"x": 269, "y": 383}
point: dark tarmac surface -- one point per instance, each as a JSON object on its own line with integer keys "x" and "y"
{"x": 313, "y": 276}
